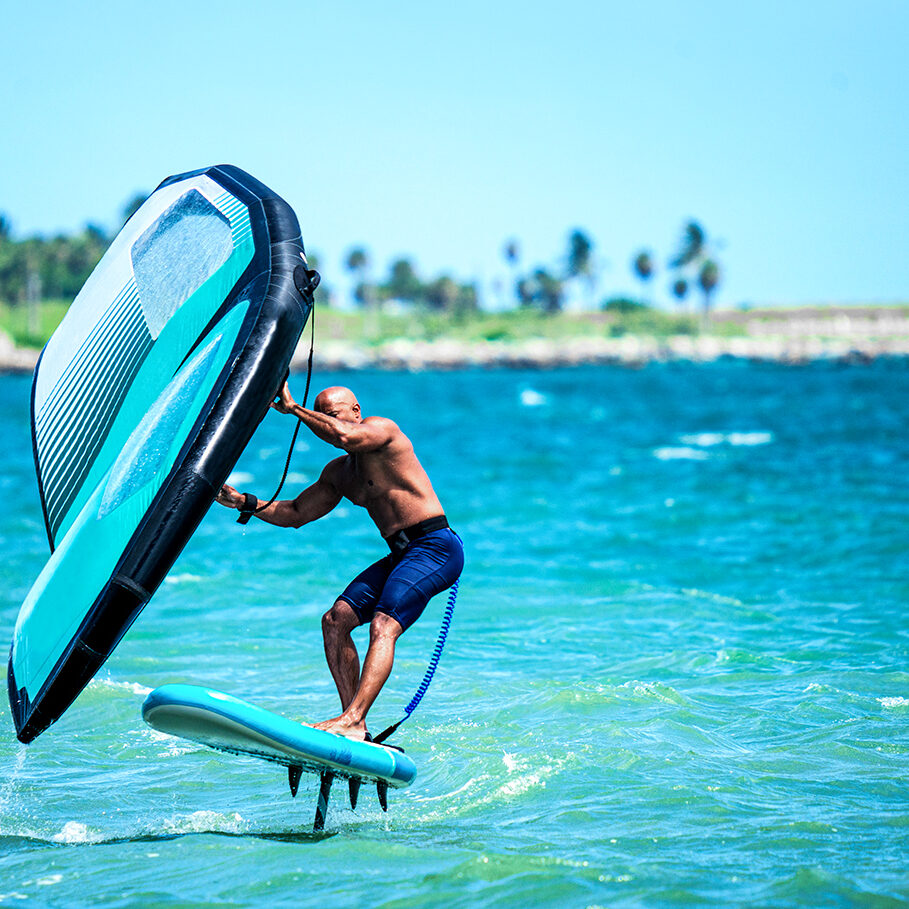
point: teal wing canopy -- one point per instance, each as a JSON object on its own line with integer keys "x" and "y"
{"x": 142, "y": 402}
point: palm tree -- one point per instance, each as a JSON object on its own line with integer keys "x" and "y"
{"x": 403, "y": 282}
{"x": 579, "y": 250}
{"x": 442, "y": 293}
{"x": 708, "y": 278}
{"x": 550, "y": 290}
{"x": 33, "y": 295}
{"x": 357, "y": 263}
{"x": 357, "y": 260}
{"x": 680, "y": 289}
{"x": 697, "y": 259}
{"x": 580, "y": 260}
{"x": 512, "y": 253}
{"x": 643, "y": 268}
{"x": 526, "y": 291}
{"x": 692, "y": 246}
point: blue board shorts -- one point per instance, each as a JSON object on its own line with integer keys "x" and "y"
{"x": 401, "y": 584}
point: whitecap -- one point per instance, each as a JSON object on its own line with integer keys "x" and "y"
{"x": 750, "y": 438}
{"x": 524, "y": 776}
{"x": 532, "y": 398}
{"x": 183, "y": 579}
{"x": 75, "y": 832}
{"x": 174, "y": 749}
{"x": 894, "y": 702}
{"x": 680, "y": 454}
{"x": 133, "y": 687}
{"x": 711, "y": 439}
{"x": 521, "y": 785}
{"x": 205, "y": 822}
{"x": 703, "y": 439}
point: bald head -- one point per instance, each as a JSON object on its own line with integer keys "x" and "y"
{"x": 338, "y": 402}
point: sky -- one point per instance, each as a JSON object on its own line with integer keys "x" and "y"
{"x": 439, "y": 132}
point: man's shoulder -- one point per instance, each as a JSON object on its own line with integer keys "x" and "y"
{"x": 392, "y": 432}
{"x": 382, "y": 422}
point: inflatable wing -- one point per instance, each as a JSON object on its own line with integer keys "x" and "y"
{"x": 142, "y": 402}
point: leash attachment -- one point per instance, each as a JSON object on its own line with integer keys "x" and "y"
{"x": 431, "y": 669}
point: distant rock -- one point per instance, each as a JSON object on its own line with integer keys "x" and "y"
{"x": 16, "y": 359}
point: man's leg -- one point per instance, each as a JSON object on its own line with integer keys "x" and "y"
{"x": 384, "y": 632}
{"x": 340, "y": 650}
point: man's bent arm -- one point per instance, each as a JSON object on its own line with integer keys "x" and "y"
{"x": 371, "y": 434}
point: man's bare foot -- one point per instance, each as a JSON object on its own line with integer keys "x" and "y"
{"x": 342, "y": 726}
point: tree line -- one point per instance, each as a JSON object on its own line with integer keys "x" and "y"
{"x": 40, "y": 268}
{"x": 51, "y": 268}
{"x": 693, "y": 263}
{"x": 402, "y": 283}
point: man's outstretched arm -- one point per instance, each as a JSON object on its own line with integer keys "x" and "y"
{"x": 312, "y": 504}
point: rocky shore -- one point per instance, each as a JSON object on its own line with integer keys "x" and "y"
{"x": 16, "y": 359}
{"x": 403, "y": 354}
{"x": 853, "y": 334}
{"x": 802, "y": 336}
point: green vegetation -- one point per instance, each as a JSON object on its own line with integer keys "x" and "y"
{"x": 32, "y": 326}
{"x": 41, "y": 268}
{"x": 39, "y": 275}
{"x": 512, "y": 325}
{"x": 364, "y": 327}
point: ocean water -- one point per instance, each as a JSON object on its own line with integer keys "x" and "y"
{"x": 677, "y": 672}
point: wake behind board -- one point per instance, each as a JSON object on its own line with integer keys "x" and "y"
{"x": 142, "y": 402}
{"x": 230, "y": 724}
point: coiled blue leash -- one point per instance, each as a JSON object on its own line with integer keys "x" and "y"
{"x": 431, "y": 668}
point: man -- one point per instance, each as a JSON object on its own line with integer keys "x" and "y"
{"x": 381, "y": 473}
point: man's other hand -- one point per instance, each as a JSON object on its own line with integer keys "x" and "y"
{"x": 229, "y": 497}
{"x": 286, "y": 402}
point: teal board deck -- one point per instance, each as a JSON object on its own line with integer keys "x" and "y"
{"x": 230, "y": 724}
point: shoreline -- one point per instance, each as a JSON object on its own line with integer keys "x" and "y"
{"x": 800, "y": 336}
{"x": 404, "y": 355}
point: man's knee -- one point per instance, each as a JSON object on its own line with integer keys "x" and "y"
{"x": 384, "y": 626}
{"x": 340, "y": 618}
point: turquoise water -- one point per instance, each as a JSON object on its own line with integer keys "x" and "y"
{"x": 677, "y": 672}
